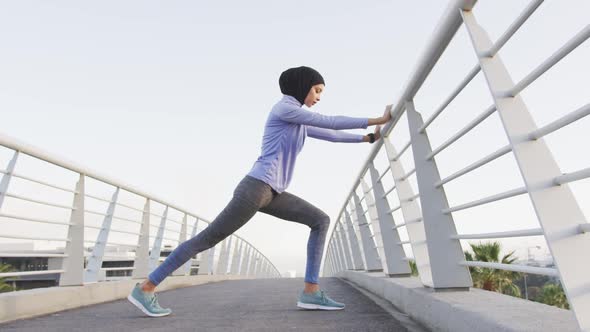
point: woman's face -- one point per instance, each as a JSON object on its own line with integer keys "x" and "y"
{"x": 314, "y": 95}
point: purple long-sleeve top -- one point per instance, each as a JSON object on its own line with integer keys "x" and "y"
{"x": 285, "y": 130}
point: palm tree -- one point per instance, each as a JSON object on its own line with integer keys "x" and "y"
{"x": 553, "y": 294}
{"x": 4, "y": 287}
{"x": 492, "y": 279}
{"x": 413, "y": 268}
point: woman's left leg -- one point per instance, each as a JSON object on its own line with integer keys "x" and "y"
{"x": 290, "y": 207}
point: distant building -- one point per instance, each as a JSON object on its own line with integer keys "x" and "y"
{"x": 23, "y": 258}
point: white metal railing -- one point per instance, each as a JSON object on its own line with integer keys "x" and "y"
{"x": 144, "y": 247}
{"x": 373, "y": 243}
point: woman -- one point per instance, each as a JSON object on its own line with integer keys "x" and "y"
{"x": 263, "y": 188}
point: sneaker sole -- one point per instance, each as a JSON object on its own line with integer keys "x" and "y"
{"x": 143, "y": 309}
{"x": 316, "y": 306}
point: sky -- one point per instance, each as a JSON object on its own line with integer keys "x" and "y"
{"x": 171, "y": 98}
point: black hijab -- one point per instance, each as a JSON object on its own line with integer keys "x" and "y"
{"x": 296, "y": 82}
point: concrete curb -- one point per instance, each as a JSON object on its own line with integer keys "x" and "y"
{"x": 42, "y": 301}
{"x": 473, "y": 310}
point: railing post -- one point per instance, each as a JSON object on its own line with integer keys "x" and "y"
{"x": 259, "y": 268}
{"x": 333, "y": 268}
{"x": 188, "y": 266}
{"x": 335, "y": 265}
{"x": 143, "y": 245}
{"x": 252, "y": 262}
{"x": 339, "y": 255}
{"x": 372, "y": 260}
{"x": 411, "y": 213}
{"x": 181, "y": 238}
{"x": 227, "y": 255}
{"x": 330, "y": 260}
{"x": 445, "y": 253}
{"x": 324, "y": 271}
{"x": 267, "y": 271}
{"x": 157, "y": 247}
{"x": 245, "y": 261}
{"x": 73, "y": 263}
{"x": 326, "y": 267}
{"x": 257, "y": 265}
{"x": 356, "y": 230}
{"x": 249, "y": 259}
{"x": 339, "y": 264}
{"x": 556, "y": 207}
{"x": 205, "y": 261}
{"x": 224, "y": 256}
{"x": 236, "y": 257}
{"x": 350, "y": 235}
{"x": 263, "y": 269}
{"x": 387, "y": 240}
{"x": 262, "y": 262}
{"x": 217, "y": 268}
{"x": 342, "y": 238}
{"x": 212, "y": 260}
{"x": 6, "y": 177}
{"x": 258, "y": 262}
{"x": 95, "y": 260}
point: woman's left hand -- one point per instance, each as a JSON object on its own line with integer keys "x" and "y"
{"x": 377, "y": 133}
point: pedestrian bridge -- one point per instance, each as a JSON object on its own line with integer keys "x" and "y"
{"x": 394, "y": 255}
{"x": 232, "y": 305}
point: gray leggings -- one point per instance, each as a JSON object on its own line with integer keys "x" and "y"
{"x": 252, "y": 195}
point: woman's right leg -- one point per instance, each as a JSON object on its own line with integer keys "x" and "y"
{"x": 250, "y": 195}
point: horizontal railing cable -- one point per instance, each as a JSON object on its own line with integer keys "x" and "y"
{"x": 513, "y": 267}
{"x": 489, "y": 111}
{"x": 401, "y": 152}
{"x": 33, "y": 200}
{"x": 472, "y": 73}
{"x": 39, "y": 220}
{"x": 392, "y": 210}
{"x": 31, "y": 254}
{"x": 562, "y": 122}
{"x": 29, "y": 273}
{"x": 388, "y": 192}
{"x": 499, "y": 235}
{"x": 572, "y": 44}
{"x": 495, "y": 155}
{"x": 384, "y": 173}
{"x": 489, "y": 199}
{"x": 25, "y": 237}
{"x": 523, "y": 17}
{"x": 47, "y": 184}
{"x": 407, "y": 175}
{"x": 574, "y": 176}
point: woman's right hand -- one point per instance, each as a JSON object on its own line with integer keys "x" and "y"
{"x": 387, "y": 115}
{"x": 383, "y": 119}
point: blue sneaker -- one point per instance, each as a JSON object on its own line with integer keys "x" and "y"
{"x": 318, "y": 300}
{"x": 147, "y": 302}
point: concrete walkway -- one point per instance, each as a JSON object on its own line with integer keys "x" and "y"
{"x": 236, "y": 305}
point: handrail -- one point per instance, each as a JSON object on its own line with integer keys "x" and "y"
{"x": 429, "y": 222}
{"x": 443, "y": 33}
{"x": 30, "y": 150}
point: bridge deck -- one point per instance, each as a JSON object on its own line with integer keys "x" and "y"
{"x": 237, "y": 305}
